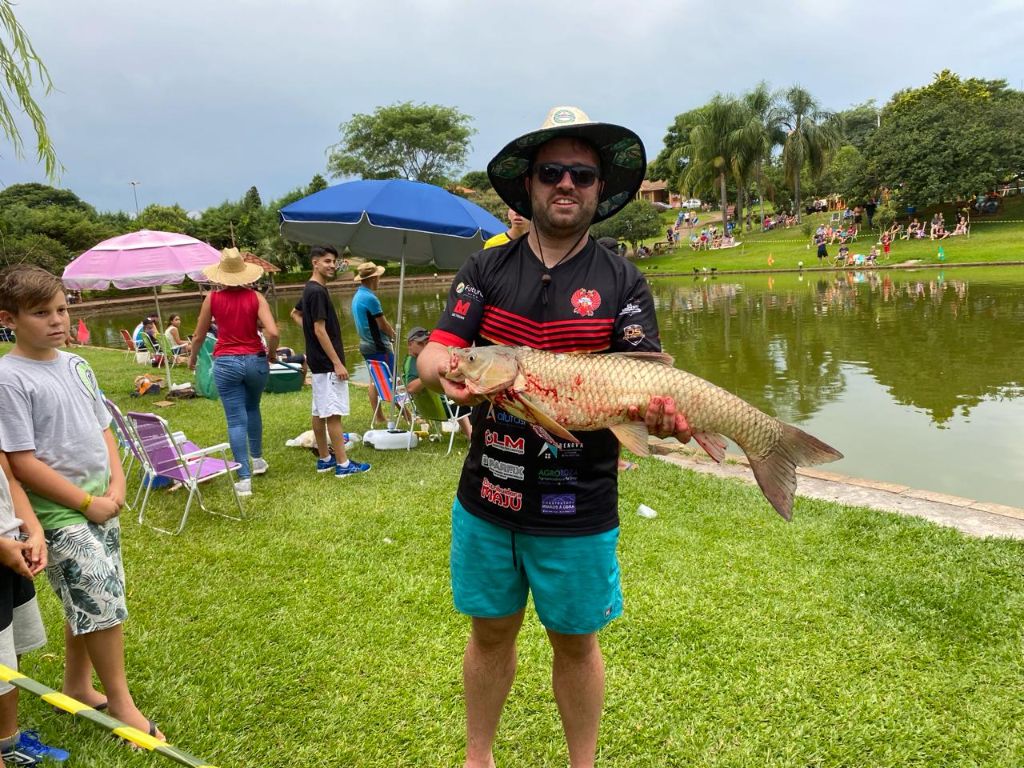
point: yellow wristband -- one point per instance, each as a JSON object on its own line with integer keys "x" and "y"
{"x": 84, "y": 506}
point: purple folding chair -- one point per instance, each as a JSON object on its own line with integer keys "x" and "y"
{"x": 131, "y": 452}
{"x": 181, "y": 462}
{"x": 125, "y": 436}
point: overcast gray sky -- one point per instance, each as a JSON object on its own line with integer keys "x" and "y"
{"x": 197, "y": 101}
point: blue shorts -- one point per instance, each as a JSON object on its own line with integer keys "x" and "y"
{"x": 574, "y": 579}
{"x": 383, "y": 357}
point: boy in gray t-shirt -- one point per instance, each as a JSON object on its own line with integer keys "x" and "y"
{"x": 55, "y": 429}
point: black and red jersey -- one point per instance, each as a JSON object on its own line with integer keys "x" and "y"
{"x": 594, "y": 302}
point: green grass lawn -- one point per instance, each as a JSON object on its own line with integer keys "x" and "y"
{"x": 321, "y": 632}
{"x": 994, "y": 238}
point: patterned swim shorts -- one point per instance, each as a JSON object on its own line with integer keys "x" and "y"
{"x": 85, "y": 571}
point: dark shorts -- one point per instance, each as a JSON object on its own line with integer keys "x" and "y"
{"x": 384, "y": 357}
{"x": 21, "y": 626}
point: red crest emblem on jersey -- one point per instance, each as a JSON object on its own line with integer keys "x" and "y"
{"x": 585, "y": 302}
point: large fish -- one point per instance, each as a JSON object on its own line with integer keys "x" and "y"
{"x": 559, "y": 393}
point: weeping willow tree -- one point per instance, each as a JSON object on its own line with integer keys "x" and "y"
{"x": 22, "y": 70}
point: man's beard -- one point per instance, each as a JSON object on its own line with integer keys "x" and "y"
{"x": 562, "y": 227}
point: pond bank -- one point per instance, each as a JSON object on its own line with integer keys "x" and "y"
{"x": 975, "y": 518}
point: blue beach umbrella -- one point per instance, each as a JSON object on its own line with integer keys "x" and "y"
{"x": 392, "y": 220}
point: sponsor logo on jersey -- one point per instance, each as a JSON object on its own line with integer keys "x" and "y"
{"x": 556, "y": 476}
{"x": 504, "y": 442}
{"x": 630, "y": 309}
{"x": 560, "y": 450}
{"x": 502, "y": 470}
{"x": 634, "y": 334}
{"x": 558, "y": 504}
{"x": 500, "y": 416}
{"x": 470, "y": 291}
{"x": 505, "y": 498}
{"x": 461, "y": 308}
{"x": 585, "y": 302}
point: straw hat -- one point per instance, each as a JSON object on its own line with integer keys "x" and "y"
{"x": 622, "y": 155}
{"x": 233, "y": 269}
{"x": 367, "y": 270}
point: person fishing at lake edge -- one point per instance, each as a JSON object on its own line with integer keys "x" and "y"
{"x": 529, "y": 515}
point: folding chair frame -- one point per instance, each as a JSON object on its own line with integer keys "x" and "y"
{"x": 453, "y": 420}
{"x": 380, "y": 379}
{"x": 188, "y": 464}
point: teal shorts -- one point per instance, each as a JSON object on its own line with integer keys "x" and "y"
{"x": 574, "y": 579}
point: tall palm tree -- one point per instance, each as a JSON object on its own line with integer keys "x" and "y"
{"x": 19, "y": 66}
{"x": 762, "y": 132}
{"x": 713, "y": 146}
{"x": 811, "y": 135}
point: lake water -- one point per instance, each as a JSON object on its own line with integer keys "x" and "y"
{"x": 917, "y": 377}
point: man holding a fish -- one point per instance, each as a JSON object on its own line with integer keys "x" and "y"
{"x": 537, "y": 512}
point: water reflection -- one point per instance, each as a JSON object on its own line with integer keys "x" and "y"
{"x": 930, "y": 339}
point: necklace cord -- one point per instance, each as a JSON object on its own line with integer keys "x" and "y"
{"x": 545, "y": 279}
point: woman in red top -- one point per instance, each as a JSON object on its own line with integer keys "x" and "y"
{"x": 240, "y": 362}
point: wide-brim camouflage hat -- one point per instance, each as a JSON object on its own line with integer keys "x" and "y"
{"x": 623, "y": 160}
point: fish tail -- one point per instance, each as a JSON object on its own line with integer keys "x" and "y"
{"x": 776, "y": 472}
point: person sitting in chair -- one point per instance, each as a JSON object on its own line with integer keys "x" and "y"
{"x": 416, "y": 341}
{"x": 962, "y": 225}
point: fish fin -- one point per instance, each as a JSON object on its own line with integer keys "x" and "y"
{"x": 633, "y": 435}
{"x": 543, "y": 434}
{"x": 537, "y": 415}
{"x": 776, "y": 472}
{"x": 661, "y": 358}
{"x": 713, "y": 443}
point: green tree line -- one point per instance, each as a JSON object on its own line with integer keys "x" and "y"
{"x": 947, "y": 141}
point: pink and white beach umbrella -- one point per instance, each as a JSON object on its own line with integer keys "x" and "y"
{"x": 143, "y": 259}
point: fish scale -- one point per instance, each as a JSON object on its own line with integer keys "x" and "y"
{"x": 583, "y": 392}
{"x": 596, "y": 391}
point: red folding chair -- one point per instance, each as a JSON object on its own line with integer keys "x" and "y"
{"x": 130, "y": 343}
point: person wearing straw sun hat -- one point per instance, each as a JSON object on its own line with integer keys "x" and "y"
{"x": 376, "y": 334}
{"x": 241, "y": 364}
{"x": 529, "y": 516}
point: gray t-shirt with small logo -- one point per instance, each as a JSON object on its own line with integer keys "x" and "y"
{"x": 55, "y": 409}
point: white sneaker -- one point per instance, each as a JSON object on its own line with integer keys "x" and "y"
{"x": 244, "y": 487}
{"x": 259, "y": 465}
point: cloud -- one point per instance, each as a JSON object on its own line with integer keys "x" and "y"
{"x": 199, "y": 101}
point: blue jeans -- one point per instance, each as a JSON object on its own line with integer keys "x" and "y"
{"x": 240, "y": 381}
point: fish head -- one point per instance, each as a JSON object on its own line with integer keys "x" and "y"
{"x": 485, "y": 370}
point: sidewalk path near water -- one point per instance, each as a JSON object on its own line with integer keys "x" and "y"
{"x": 975, "y": 518}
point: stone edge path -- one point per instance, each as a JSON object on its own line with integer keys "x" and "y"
{"x": 975, "y": 518}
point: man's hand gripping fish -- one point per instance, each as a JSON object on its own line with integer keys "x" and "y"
{"x": 559, "y": 393}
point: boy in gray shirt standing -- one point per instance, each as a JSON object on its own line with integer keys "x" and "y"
{"x": 55, "y": 431}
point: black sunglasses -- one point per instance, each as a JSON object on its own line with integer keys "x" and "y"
{"x": 551, "y": 173}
